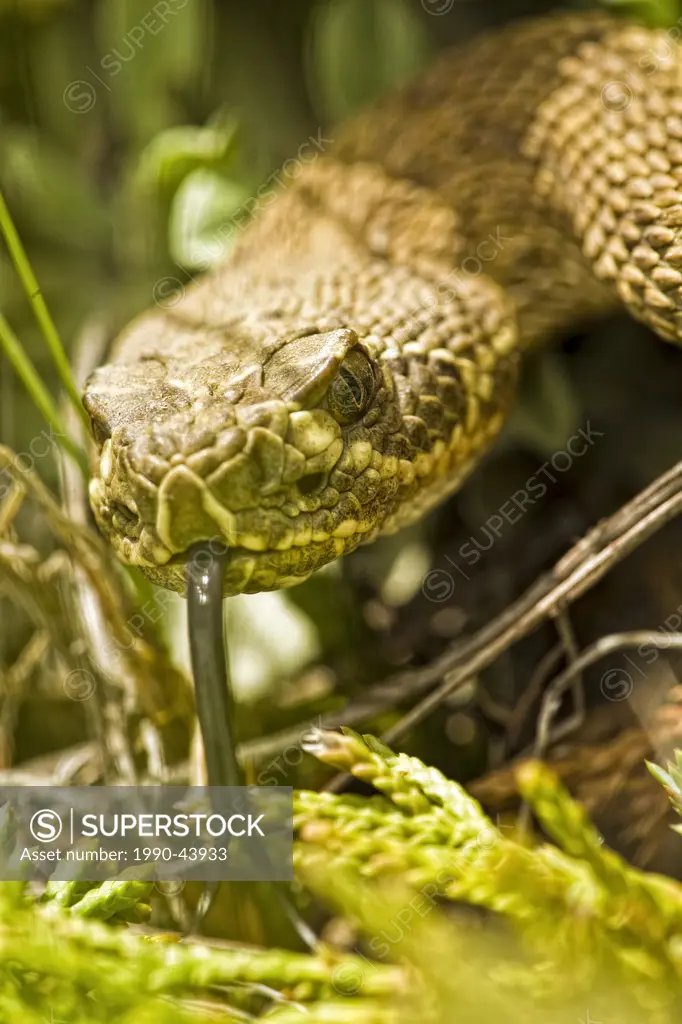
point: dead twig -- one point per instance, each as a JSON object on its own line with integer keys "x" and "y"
{"x": 578, "y": 571}
{"x": 581, "y": 568}
{"x": 162, "y": 692}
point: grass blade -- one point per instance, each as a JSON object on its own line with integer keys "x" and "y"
{"x": 31, "y": 380}
{"x": 42, "y": 313}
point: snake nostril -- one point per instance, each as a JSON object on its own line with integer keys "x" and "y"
{"x": 312, "y": 483}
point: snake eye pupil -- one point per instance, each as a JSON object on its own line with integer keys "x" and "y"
{"x": 354, "y": 387}
{"x": 352, "y": 390}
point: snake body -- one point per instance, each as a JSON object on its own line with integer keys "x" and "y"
{"x": 357, "y": 354}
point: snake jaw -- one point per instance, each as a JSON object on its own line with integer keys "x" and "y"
{"x": 302, "y": 528}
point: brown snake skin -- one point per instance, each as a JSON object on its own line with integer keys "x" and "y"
{"x": 358, "y": 353}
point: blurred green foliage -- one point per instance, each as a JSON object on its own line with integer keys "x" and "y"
{"x": 561, "y": 932}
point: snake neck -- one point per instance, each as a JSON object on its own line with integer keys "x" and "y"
{"x": 560, "y": 138}
{"x": 607, "y": 144}
{"x": 548, "y": 157}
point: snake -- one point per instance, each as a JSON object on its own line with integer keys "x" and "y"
{"x": 349, "y": 363}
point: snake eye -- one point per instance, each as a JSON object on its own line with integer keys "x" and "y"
{"x": 352, "y": 390}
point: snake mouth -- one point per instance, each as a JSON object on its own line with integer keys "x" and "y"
{"x": 273, "y": 516}
{"x": 249, "y": 572}
{"x": 246, "y": 569}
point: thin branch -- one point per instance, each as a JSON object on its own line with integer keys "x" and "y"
{"x": 547, "y": 664}
{"x": 581, "y": 568}
{"x": 595, "y": 652}
{"x": 584, "y": 565}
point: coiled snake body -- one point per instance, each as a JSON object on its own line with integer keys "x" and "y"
{"x": 358, "y": 353}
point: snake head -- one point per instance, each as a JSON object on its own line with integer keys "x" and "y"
{"x": 289, "y": 439}
{"x": 243, "y": 446}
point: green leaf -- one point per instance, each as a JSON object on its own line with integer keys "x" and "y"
{"x": 660, "y": 13}
{"x": 660, "y": 774}
{"x": 207, "y": 211}
{"x": 362, "y": 48}
{"x": 175, "y": 153}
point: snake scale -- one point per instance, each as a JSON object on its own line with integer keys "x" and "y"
{"x": 358, "y": 353}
